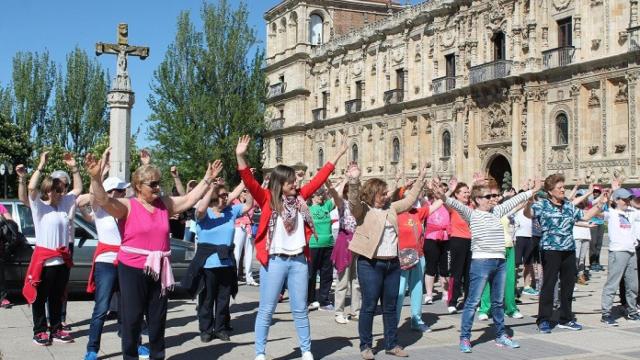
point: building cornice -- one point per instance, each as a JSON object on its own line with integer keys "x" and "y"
{"x": 288, "y": 94}
{"x": 364, "y": 5}
{"x": 299, "y": 56}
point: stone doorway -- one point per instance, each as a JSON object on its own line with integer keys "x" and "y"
{"x": 497, "y": 168}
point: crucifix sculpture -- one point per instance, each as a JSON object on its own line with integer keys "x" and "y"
{"x": 122, "y": 49}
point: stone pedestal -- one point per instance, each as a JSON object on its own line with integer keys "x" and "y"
{"x": 120, "y": 104}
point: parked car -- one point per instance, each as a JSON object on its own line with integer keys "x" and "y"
{"x": 86, "y": 240}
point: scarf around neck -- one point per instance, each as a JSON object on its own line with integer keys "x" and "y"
{"x": 291, "y": 205}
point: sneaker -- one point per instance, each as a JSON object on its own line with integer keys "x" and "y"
{"x": 570, "y": 325}
{"x": 633, "y": 317}
{"x": 483, "y": 317}
{"x": 452, "y": 310}
{"x": 307, "y": 355}
{"x": 516, "y": 315}
{"x": 340, "y": 319}
{"x": 62, "y": 336}
{"x": 544, "y": 327}
{"x": 505, "y": 341}
{"x": 6, "y": 304}
{"x": 91, "y": 355}
{"x": 143, "y": 352}
{"x": 608, "y": 320}
{"x": 428, "y": 300}
{"x": 397, "y": 351}
{"x": 66, "y": 327}
{"x": 327, "y": 308}
{"x": 530, "y": 291}
{"x": 465, "y": 346}
{"x": 252, "y": 282}
{"x": 261, "y": 357}
{"x": 205, "y": 337}
{"x": 222, "y": 335}
{"x": 367, "y": 354}
{"x": 42, "y": 339}
{"x": 314, "y": 305}
{"x": 423, "y": 328}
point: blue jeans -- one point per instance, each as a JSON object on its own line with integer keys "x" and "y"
{"x": 378, "y": 279}
{"x": 106, "y": 278}
{"x": 272, "y": 277}
{"x": 481, "y": 272}
{"x": 412, "y": 278}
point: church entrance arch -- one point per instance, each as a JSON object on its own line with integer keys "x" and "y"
{"x": 497, "y": 167}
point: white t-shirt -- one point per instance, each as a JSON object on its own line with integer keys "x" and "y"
{"x": 290, "y": 244}
{"x": 53, "y": 224}
{"x": 388, "y": 246}
{"x": 522, "y": 224}
{"x": 108, "y": 233}
{"x": 622, "y": 227}
{"x": 335, "y": 222}
{"x": 581, "y": 232}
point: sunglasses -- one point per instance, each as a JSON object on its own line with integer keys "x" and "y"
{"x": 490, "y": 196}
{"x": 152, "y": 184}
{"x": 119, "y": 191}
{"x": 223, "y": 195}
{"x": 60, "y": 190}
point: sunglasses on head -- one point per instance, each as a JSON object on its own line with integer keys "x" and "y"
{"x": 152, "y": 184}
{"x": 490, "y": 196}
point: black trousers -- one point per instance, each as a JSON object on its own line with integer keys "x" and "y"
{"x": 3, "y": 288}
{"x": 460, "y": 252}
{"x": 213, "y": 302}
{"x": 51, "y": 289}
{"x": 595, "y": 246}
{"x": 557, "y": 264}
{"x": 140, "y": 296}
{"x": 320, "y": 262}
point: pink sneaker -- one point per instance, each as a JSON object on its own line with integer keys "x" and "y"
{"x": 5, "y": 304}
{"x": 62, "y": 336}
{"x": 42, "y": 339}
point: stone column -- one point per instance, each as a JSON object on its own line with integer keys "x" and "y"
{"x": 120, "y": 104}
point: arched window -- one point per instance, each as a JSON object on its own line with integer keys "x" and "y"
{"x": 354, "y": 152}
{"x": 396, "y": 150}
{"x": 562, "y": 129}
{"x": 293, "y": 23}
{"x": 315, "y": 29}
{"x": 446, "y": 143}
{"x": 320, "y": 158}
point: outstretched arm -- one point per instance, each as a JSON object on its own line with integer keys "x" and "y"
{"x": 177, "y": 181}
{"x": 178, "y": 204}
{"x": 70, "y": 161}
{"x": 337, "y": 199}
{"x": 118, "y": 208}
{"x": 258, "y": 192}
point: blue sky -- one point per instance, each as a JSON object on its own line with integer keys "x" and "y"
{"x": 58, "y": 26}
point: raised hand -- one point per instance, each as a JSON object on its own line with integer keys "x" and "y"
{"x": 93, "y": 167}
{"x": 21, "y": 171}
{"x": 69, "y": 160}
{"x": 479, "y": 179}
{"x": 243, "y": 145}
{"x": 174, "y": 171}
{"x": 214, "y": 169}
{"x": 453, "y": 182}
{"x": 537, "y": 184}
{"x": 353, "y": 171}
{"x": 44, "y": 157}
{"x": 423, "y": 170}
{"x": 616, "y": 184}
{"x": 409, "y": 183}
{"x": 530, "y": 184}
{"x": 145, "y": 157}
{"x": 105, "y": 161}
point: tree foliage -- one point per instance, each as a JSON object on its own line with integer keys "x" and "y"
{"x": 208, "y": 91}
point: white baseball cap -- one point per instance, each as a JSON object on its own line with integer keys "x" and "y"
{"x": 114, "y": 182}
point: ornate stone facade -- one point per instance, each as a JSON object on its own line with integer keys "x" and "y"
{"x": 464, "y": 85}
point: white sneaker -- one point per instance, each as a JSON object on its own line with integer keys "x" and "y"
{"x": 428, "y": 300}
{"x": 483, "y": 317}
{"x": 252, "y": 282}
{"x": 261, "y": 357}
{"x": 452, "y": 310}
{"x": 307, "y": 355}
{"x": 340, "y": 319}
{"x": 517, "y": 315}
{"x": 314, "y": 305}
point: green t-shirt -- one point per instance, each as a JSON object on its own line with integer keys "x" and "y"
{"x": 322, "y": 222}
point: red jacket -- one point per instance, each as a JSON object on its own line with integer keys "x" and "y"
{"x": 263, "y": 198}
{"x": 101, "y": 249}
{"x": 34, "y": 271}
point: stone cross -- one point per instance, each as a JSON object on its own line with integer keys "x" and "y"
{"x": 121, "y": 99}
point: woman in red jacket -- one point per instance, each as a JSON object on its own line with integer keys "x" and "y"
{"x": 282, "y": 243}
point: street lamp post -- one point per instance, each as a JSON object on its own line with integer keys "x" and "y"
{"x": 5, "y": 170}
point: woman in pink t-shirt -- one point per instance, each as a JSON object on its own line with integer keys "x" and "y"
{"x": 144, "y": 270}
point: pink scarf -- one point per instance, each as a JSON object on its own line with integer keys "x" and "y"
{"x": 157, "y": 266}
{"x": 291, "y": 205}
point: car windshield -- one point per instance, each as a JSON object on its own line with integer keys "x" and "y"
{"x": 26, "y": 221}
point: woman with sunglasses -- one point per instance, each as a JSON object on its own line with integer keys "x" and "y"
{"x": 487, "y": 257}
{"x": 48, "y": 273}
{"x": 215, "y": 228}
{"x": 282, "y": 243}
{"x": 144, "y": 269}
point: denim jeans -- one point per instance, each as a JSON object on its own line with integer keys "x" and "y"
{"x": 272, "y": 277}
{"x": 481, "y": 272}
{"x": 378, "y": 279}
{"x": 106, "y": 278}
{"x": 412, "y": 278}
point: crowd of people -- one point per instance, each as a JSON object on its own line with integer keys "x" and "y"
{"x": 373, "y": 242}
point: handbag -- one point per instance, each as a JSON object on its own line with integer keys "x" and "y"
{"x": 409, "y": 257}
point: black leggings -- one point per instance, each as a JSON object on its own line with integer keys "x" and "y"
{"x": 460, "y": 250}
{"x": 436, "y": 252}
{"x": 51, "y": 289}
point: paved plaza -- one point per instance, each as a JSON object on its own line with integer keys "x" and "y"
{"x": 333, "y": 341}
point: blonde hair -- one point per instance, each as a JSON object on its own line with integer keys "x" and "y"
{"x": 476, "y": 192}
{"x": 142, "y": 174}
{"x": 369, "y": 190}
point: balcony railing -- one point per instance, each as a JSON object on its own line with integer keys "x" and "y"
{"x": 353, "y": 106}
{"x": 319, "y": 114}
{"x": 634, "y": 38}
{"x": 557, "y": 57}
{"x": 277, "y": 89}
{"x": 395, "y": 96}
{"x": 489, "y": 71}
{"x": 443, "y": 84}
{"x": 277, "y": 124}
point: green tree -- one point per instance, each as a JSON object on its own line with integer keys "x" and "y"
{"x": 15, "y": 149}
{"x": 506, "y": 181}
{"x": 208, "y": 91}
{"x": 79, "y": 113}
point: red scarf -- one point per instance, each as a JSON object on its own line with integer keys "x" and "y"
{"x": 34, "y": 271}
{"x": 101, "y": 249}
